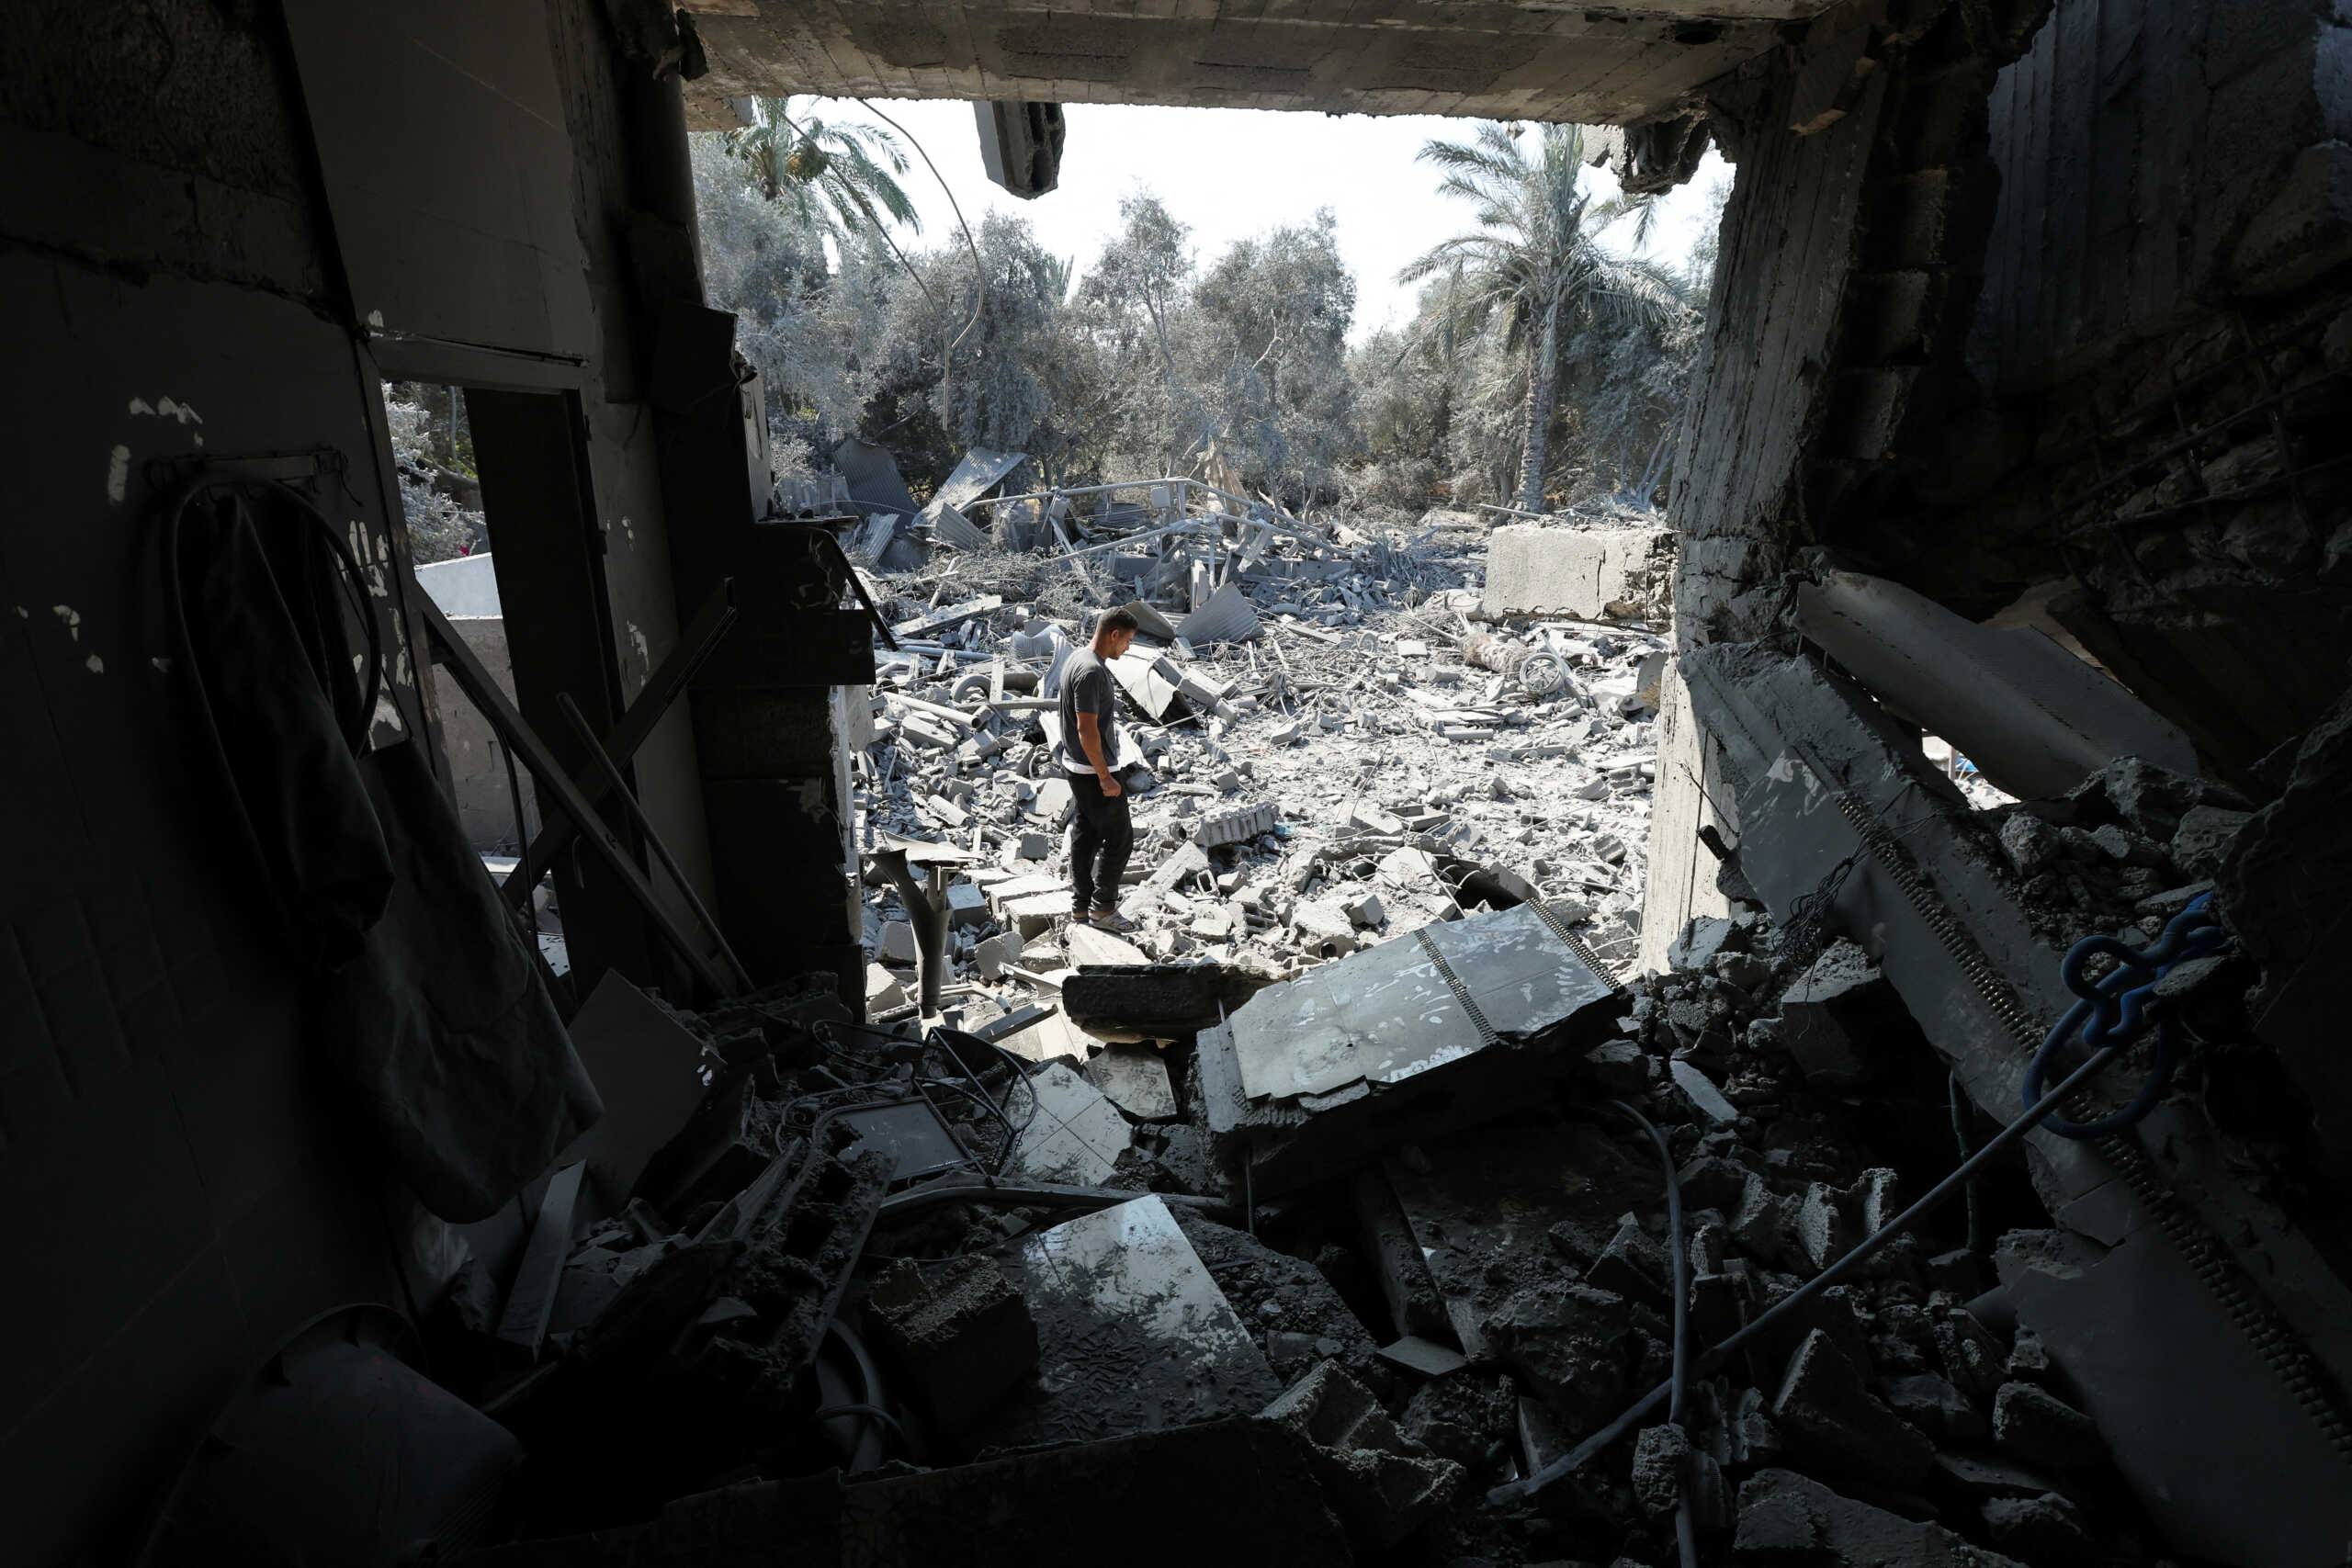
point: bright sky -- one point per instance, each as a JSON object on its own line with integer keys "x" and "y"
{"x": 1232, "y": 173}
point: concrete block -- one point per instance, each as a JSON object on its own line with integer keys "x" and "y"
{"x": 1133, "y": 1333}
{"x": 1830, "y": 1414}
{"x": 1324, "y": 925}
{"x": 1381, "y": 1484}
{"x": 1035, "y": 846}
{"x": 1366, "y": 910}
{"x": 2038, "y": 1427}
{"x": 1136, "y": 1080}
{"x": 883, "y": 991}
{"x": 898, "y": 942}
{"x": 1702, "y": 1094}
{"x": 960, "y": 1334}
{"x": 967, "y": 905}
{"x": 1232, "y": 826}
{"x": 1784, "y": 1517}
{"x": 1036, "y": 915}
{"x": 1536, "y": 572}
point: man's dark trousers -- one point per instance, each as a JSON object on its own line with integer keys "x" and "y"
{"x": 1100, "y": 842}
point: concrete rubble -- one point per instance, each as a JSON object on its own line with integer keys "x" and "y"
{"x": 1324, "y": 1171}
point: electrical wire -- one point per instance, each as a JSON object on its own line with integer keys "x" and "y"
{"x": 356, "y": 717}
{"x": 1686, "y": 1533}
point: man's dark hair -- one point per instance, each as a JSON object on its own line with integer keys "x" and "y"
{"x": 1120, "y": 620}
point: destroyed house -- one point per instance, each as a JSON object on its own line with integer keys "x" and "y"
{"x": 353, "y": 1228}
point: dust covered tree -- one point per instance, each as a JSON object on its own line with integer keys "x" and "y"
{"x": 1537, "y": 263}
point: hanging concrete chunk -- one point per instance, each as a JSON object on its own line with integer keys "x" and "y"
{"x": 2032, "y": 716}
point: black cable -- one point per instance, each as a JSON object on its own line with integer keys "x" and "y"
{"x": 356, "y": 718}
{"x": 1685, "y": 1534}
{"x": 1959, "y": 1137}
{"x": 871, "y": 1412}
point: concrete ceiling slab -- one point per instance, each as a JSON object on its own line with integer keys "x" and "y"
{"x": 1541, "y": 61}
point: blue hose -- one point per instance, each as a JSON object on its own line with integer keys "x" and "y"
{"x": 2120, "y": 1008}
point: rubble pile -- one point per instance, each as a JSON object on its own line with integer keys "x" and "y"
{"x": 1356, "y": 1188}
{"x": 1357, "y": 753}
{"x": 895, "y": 1253}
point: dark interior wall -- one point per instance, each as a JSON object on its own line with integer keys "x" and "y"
{"x": 173, "y": 283}
{"x": 2165, "y": 359}
{"x": 2138, "y": 143}
{"x": 181, "y": 1195}
{"x": 1851, "y": 255}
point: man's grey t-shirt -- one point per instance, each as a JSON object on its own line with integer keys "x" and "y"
{"x": 1086, "y": 688}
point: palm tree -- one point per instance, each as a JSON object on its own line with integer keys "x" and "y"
{"x": 1536, "y": 255}
{"x": 839, "y": 177}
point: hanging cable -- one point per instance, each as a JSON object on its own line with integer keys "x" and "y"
{"x": 1686, "y": 1532}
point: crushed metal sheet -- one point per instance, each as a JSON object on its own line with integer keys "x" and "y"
{"x": 1387, "y": 1013}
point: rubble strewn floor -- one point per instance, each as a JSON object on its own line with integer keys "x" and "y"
{"x": 1344, "y": 1184}
{"x": 1395, "y": 768}
{"x": 1905, "y": 1411}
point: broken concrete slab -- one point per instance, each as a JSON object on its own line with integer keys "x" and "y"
{"x": 1092, "y": 945}
{"x": 1077, "y": 1134}
{"x": 1134, "y": 1333}
{"x": 1390, "y": 1013}
{"x": 1788, "y": 1518}
{"x": 1825, "y": 1405}
{"x": 2214, "y": 1446}
{"x": 1225, "y": 617}
{"x": 1136, "y": 1080}
{"x": 1580, "y": 572}
{"x": 1427, "y": 1357}
{"x": 1049, "y": 1039}
{"x": 2032, "y": 716}
{"x": 1381, "y": 1483}
{"x": 1467, "y": 1015}
{"x": 1157, "y": 1001}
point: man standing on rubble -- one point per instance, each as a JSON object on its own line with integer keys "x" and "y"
{"x": 1104, "y": 835}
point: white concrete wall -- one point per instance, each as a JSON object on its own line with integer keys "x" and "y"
{"x": 1575, "y": 571}
{"x": 1681, "y": 870}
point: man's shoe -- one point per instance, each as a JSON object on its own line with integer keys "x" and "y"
{"x": 1110, "y": 921}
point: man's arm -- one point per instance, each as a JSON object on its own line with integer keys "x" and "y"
{"x": 1089, "y": 741}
